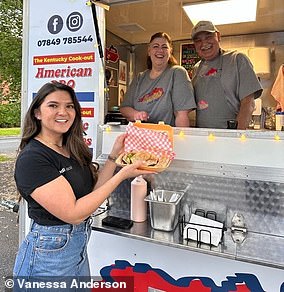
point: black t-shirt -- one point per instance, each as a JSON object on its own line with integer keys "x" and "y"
{"x": 37, "y": 165}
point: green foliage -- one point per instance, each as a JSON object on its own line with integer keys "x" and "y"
{"x": 10, "y": 115}
{"x": 11, "y": 14}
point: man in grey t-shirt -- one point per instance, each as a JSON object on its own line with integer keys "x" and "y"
{"x": 224, "y": 82}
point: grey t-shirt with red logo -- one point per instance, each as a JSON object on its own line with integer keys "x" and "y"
{"x": 161, "y": 97}
{"x": 219, "y": 87}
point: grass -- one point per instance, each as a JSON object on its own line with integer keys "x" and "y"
{"x": 4, "y": 158}
{"x": 10, "y": 131}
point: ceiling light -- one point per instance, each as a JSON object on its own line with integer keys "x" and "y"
{"x": 222, "y": 12}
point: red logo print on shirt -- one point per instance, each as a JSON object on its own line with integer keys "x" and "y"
{"x": 211, "y": 72}
{"x": 155, "y": 94}
{"x": 202, "y": 104}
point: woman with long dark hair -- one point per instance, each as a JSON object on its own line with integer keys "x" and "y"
{"x": 54, "y": 173}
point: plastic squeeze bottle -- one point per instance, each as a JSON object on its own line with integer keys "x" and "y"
{"x": 138, "y": 209}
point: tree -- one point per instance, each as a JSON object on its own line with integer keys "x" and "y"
{"x": 11, "y": 24}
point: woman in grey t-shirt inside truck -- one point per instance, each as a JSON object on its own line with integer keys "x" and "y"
{"x": 163, "y": 92}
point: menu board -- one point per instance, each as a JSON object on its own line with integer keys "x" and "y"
{"x": 188, "y": 57}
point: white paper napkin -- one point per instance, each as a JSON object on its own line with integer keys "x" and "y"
{"x": 201, "y": 223}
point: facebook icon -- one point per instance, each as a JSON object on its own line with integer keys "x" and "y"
{"x": 55, "y": 24}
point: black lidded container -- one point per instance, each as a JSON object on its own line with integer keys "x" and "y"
{"x": 232, "y": 124}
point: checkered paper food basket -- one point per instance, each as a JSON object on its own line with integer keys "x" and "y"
{"x": 156, "y": 139}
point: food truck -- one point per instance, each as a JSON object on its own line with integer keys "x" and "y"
{"x": 233, "y": 178}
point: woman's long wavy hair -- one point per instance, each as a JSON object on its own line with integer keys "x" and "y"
{"x": 172, "y": 60}
{"x": 72, "y": 139}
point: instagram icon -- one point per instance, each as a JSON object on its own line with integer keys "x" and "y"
{"x": 74, "y": 21}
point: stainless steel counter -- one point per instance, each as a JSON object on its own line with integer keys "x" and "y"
{"x": 237, "y": 172}
{"x": 257, "y": 248}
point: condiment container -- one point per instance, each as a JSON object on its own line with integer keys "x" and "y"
{"x": 165, "y": 210}
{"x": 138, "y": 209}
{"x": 279, "y": 120}
{"x": 232, "y": 124}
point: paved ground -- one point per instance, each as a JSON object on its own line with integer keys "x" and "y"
{"x": 8, "y": 244}
{"x": 8, "y": 221}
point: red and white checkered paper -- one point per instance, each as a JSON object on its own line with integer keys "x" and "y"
{"x": 155, "y": 142}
